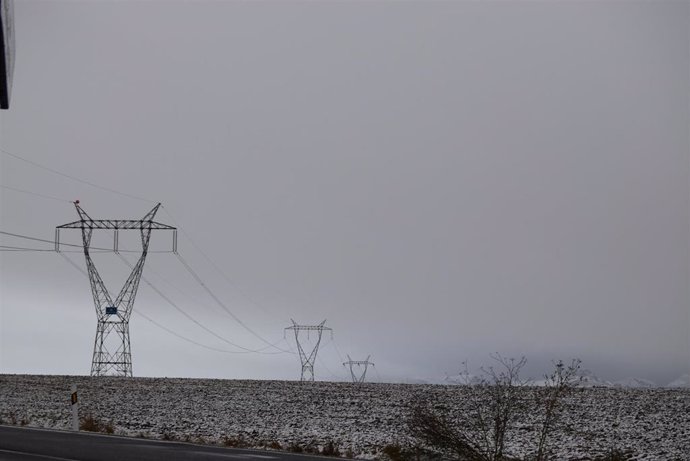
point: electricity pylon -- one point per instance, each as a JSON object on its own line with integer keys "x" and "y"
{"x": 308, "y": 359}
{"x": 111, "y": 350}
{"x": 360, "y": 363}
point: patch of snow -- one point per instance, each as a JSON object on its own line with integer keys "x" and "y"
{"x": 360, "y": 419}
{"x": 680, "y": 382}
{"x": 589, "y": 379}
{"x": 635, "y": 383}
{"x": 462, "y": 379}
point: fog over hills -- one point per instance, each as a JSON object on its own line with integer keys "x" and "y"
{"x": 439, "y": 180}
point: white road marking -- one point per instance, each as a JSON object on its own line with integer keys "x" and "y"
{"x": 34, "y": 455}
{"x": 234, "y": 455}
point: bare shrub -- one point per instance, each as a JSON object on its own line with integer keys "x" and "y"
{"x": 435, "y": 431}
{"x": 550, "y": 397}
{"x": 496, "y": 402}
{"x": 237, "y": 441}
{"x": 91, "y": 424}
{"x": 394, "y": 452}
{"x": 330, "y": 449}
{"x": 295, "y": 447}
{"x": 274, "y": 445}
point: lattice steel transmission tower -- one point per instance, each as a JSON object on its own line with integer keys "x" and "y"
{"x": 359, "y": 363}
{"x": 308, "y": 359}
{"x": 111, "y": 351}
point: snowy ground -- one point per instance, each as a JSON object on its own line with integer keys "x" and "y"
{"x": 361, "y": 419}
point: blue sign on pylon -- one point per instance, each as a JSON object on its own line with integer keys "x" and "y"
{"x": 110, "y": 310}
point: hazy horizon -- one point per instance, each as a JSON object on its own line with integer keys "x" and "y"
{"x": 439, "y": 180}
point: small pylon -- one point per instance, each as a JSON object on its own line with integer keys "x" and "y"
{"x": 359, "y": 363}
{"x": 308, "y": 359}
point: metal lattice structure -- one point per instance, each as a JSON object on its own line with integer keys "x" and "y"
{"x": 359, "y": 364}
{"x": 111, "y": 351}
{"x": 308, "y": 359}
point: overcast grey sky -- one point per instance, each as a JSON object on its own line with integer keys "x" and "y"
{"x": 439, "y": 180}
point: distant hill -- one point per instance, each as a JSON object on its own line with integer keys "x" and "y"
{"x": 680, "y": 382}
{"x": 462, "y": 380}
{"x": 589, "y": 379}
{"x": 637, "y": 383}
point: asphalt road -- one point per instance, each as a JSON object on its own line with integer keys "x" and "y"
{"x": 29, "y": 444}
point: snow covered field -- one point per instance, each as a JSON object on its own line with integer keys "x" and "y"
{"x": 361, "y": 419}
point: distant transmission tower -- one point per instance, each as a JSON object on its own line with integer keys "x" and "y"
{"x": 111, "y": 351}
{"x": 308, "y": 359}
{"x": 359, "y": 363}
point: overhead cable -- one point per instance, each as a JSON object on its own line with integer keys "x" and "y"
{"x": 146, "y": 317}
{"x": 221, "y": 304}
{"x": 73, "y": 178}
{"x": 35, "y": 193}
{"x": 76, "y": 246}
{"x": 245, "y": 350}
{"x": 13, "y": 248}
{"x": 213, "y": 264}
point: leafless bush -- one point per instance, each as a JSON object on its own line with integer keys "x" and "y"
{"x": 331, "y": 449}
{"x": 435, "y": 431}
{"x": 496, "y": 402}
{"x": 550, "y": 397}
{"x": 235, "y": 442}
{"x": 91, "y": 424}
{"x": 274, "y": 445}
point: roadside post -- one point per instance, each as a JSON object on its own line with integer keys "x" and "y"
{"x": 75, "y": 409}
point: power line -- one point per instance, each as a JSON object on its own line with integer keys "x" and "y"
{"x": 12, "y": 248}
{"x": 378, "y": 375}
{"x": 33, "y": 238}
{"x": 245, "y": 350}
{"x": 23, "y": 249}
{"x": 73, "y": 178}
{"x": 333, "y": 375}
{"x": 184, "y": 338}
{"x": 340, "y": 356}
{"x": 50, "y": 197}
{"x": 146, "y": 317}
{"x": 105, "y": 250}
{"x": 215, "y": 298}
{"x": 176, "y": 287}
{"x": 213, "y": 264}
{"x": 220, "y": 303}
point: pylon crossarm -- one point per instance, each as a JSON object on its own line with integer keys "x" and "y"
{"x": 146, "y": 222}
{"x": 119, "y": 224}
{"x": 309, "y": 328}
